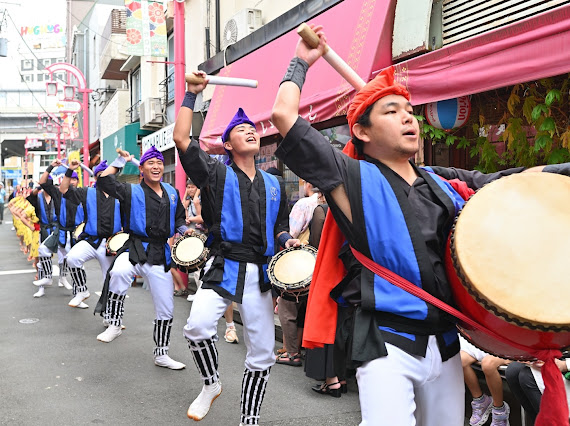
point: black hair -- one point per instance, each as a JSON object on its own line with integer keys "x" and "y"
{"x": 364, "y": 121}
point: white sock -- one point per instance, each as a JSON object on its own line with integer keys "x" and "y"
{"x": 201, "y": 405}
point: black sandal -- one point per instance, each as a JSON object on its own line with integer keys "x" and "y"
{"x": 325, "y": 389}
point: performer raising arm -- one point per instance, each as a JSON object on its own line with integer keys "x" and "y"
{"x": 245, "y": 210}
{"x": 152, "y": 212}
{"x": 398, "y": 215}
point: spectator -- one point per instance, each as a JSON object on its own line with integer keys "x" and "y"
{"x": 482, "y": 404}
{"x": 2, "y": 200}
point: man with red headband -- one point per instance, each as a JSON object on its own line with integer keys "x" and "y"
{"x": 152, "y": 212}
{"x": 405, "y": 350}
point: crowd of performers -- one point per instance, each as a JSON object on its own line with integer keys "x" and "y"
{"x": 405, "y": 351}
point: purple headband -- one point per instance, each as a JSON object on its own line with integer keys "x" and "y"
{"x": 238, "y": 119}
{"x": 101, "y": 167}
{"x": 74, "y": 175}
{"x": 152, "y": 152}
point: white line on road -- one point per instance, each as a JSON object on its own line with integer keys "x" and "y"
{"x": 18, "y": 271}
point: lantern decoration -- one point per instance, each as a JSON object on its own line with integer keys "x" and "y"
{"x": 448, "y": 114}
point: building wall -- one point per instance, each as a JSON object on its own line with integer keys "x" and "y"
{"x": 113, "y": 116}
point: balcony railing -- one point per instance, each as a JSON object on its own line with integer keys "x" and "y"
{"x": 167, "y": 87}
{"x": 133, "y": 113}
{"x": 117, "y": 24}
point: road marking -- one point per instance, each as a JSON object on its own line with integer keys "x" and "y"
{"x": 18, "y": 271}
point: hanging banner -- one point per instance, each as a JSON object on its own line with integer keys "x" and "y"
{"x": 146, "y": 28}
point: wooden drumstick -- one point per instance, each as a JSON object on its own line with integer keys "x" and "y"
{"x": 133, "y": 160}
{"x": 312, "y": 39}
{"x": 83, "y": 166}
{"x": 222, "y": 81}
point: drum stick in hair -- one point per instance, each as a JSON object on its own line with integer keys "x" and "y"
{"x": 221, "y": 81}
{"x": 346, "y": 72}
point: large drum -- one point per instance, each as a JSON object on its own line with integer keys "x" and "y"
{"x": 290, "y": 271}
{"x": 508, "y": 263}
{"x": 189, "y": 252}
{"x": 116, "y": 242}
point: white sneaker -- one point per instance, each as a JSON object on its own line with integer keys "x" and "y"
{"x": 191, "y": 297}
{"x": 201, "y": 405}
{"x": 43, "y": 282}
{"x": 112, "y": 332}
{"x": 79, "y": 298}
{"x": 64, "y": 283}
{"x": 106, "y": 324}
{"x": 40, "y": 292}
{"x": 166, "y": 361}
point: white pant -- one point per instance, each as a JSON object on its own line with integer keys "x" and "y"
{"x": 43, "y": 251}
{"x": 160, "y": 283}
{"x": 256, "y": 311}
{"x": 406, "y": 390}
{"x": 83, "y": 252}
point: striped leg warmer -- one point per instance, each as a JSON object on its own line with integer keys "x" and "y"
{"x": 79, "y": 279}
{"x": 63, "y": 268}
{"x": 205, "y": 356}
{"x": 115, "y": 309}
{"x": 252, "y": 393}
{"x": 44, "y": 263}
{"x": 162, "y": 336}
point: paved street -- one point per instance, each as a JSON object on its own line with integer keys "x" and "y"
{"x": 55, "y": 372}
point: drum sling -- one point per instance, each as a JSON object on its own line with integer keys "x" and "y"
{"x": 553, "y": 407}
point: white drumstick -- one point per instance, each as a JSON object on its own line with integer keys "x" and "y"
{"x": 83, "y": 166}
{"x": 312, "y": 39}
{"x": 135, "y": 162}
{"x": 222, "y": 81}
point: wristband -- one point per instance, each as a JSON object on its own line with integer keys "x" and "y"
{"x": 69, "y": 172}
{"x": 296, "y": 72}
{"x": 119, "y": 162}
{"x": 50, "y": 168}
{"x": 283, "y": 238}
{"x": 189, "y": 100}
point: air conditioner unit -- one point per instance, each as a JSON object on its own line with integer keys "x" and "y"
{"x": 240, "y": 25}
{"x": 151, "y": 113}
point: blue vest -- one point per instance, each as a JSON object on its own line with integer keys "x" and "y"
{"x": 137, "y": 214}
{"x": 65, "y": 221}
{"x": 92, "y": 225}
{"x": 44, "y": 219}
{"x": 231, "y": 224}
{"x": 394, "y": 248}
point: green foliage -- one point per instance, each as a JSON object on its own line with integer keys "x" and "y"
{"x": 537, "y": 128}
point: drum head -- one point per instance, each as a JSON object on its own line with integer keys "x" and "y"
{"x": 294, "y": 266}
{"x": 189, "y": 249}
{"x": 78, "y": 230}
{"x": 117, "y": 241}
{"x": 511, "y": 244}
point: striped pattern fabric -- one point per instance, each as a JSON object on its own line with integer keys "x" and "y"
{"x": 205, "y": 357}
{"x": 44, "y": 263}
{"x": 79, "y": 279}
{"x": 252, "y": 392}
{"x": 63, "y": 268}
{"x": 162, "y": 336}
{"x": 115, "y": 309}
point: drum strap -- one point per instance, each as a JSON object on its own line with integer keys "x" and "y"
{"x": 554, "y": 407}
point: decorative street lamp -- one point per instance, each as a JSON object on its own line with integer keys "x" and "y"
{"x": 51, "y": 88}
{"x": 78, "y": 85}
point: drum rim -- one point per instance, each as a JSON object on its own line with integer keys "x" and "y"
{"x": 109, "y": 249}
{"x": 82, "y": 224}
{"x": 487, "y": 303}
{"x": 196, "y": 263}
{"x": 271, "y": 266}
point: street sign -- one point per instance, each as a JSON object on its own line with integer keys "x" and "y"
{"x": 72, "y": 107}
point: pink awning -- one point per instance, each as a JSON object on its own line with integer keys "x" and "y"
{"x": 360, "y": 31}
{"x": 537, "y": 47}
